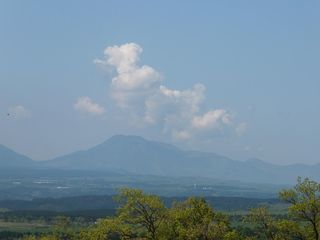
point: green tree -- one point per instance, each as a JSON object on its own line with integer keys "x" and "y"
{"x": 146, "y": 212}
{"x": 106, "y": 229}
{"x": 194, "y": 219}
{"x": 305, "y": 205}
{"x": 271, "y": 229}
{"x": 263, "y": 221}
{"x": 289, "y": 230}
{"x": 62, "y": 228}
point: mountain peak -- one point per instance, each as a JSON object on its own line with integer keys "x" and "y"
{"x": 122, "y": 140}
{"x": 121, "y": 137}
{"x": 137, "y": 155}
{"x": 136, "y": 141}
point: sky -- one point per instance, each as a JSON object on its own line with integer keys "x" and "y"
{"x": 238, "y": 78}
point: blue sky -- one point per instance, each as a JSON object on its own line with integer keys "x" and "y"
{"x": 239, "y": 78}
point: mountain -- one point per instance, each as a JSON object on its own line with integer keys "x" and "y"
{"x": 11, "y": 159}
{"x": 124, "y": 153}
{"x": 137, "y": 155}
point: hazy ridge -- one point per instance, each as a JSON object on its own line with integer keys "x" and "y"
{"x": 136, "y": 155}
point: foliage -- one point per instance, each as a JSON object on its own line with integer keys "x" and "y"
{"x": 145, "y": 217}
{"x": 107, "y": 229}
{"x": 305, "y": 205}
{"x": 267, "y": 227}
{"x": 304, "y": 215}
{"x": 145, "y": 212}
{"x": 195, "y": 219}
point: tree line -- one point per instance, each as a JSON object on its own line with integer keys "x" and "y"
{"x": 144, "y": 216}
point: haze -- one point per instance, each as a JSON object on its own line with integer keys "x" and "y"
{"x": 239, "y": 79}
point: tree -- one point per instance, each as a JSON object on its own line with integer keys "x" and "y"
{"x": 266, "y": 226}
{"x": 305, "y": 205}
{"x": 289, "y": 230}
{"x": 194, "y": 219}
{"x": 62, "y": 228}
{"x": 106, "y": 229}
{"x": 146, "y": 212}
{"x": 272, "y": 229}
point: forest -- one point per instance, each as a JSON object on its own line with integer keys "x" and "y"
{"x": 146, "y": 216}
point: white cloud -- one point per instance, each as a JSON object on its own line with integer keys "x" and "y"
{"x": 18, "y": 112}
{"x": 124, "y": 58}
{"x": 167, "y": 104}
{"x": 181, "y": 135}
{"x": 192, "y": 98}
{"x": 139, "y": 92}
{"x": 241, "y": 128}
{"x": 85, "y": 104}
{"x": 131, "y": 80}
{"x": 213, "y": 119}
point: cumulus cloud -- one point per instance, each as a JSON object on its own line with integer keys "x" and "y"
{"x": 181, "y": 135}
{"x": 19, "y": 112}
{"x": 139, "y": 90}
{"x": 192, "y": 98}
{"x": 241, "y": 128}
{"x": 213, "y": 119}
{"x": 132, "y": 80}
{"x": 86, "y": 105}
{"x": 167, "y": 104}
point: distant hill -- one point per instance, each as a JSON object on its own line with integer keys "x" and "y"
{"x": 137, "y": 155}
{"x": 10, "y": 159}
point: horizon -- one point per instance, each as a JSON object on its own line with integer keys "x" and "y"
{"x": 236, "y": 79}
{"x": 156, "y": 142}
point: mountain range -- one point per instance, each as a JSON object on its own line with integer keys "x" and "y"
{"x": 136, "y": 155}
